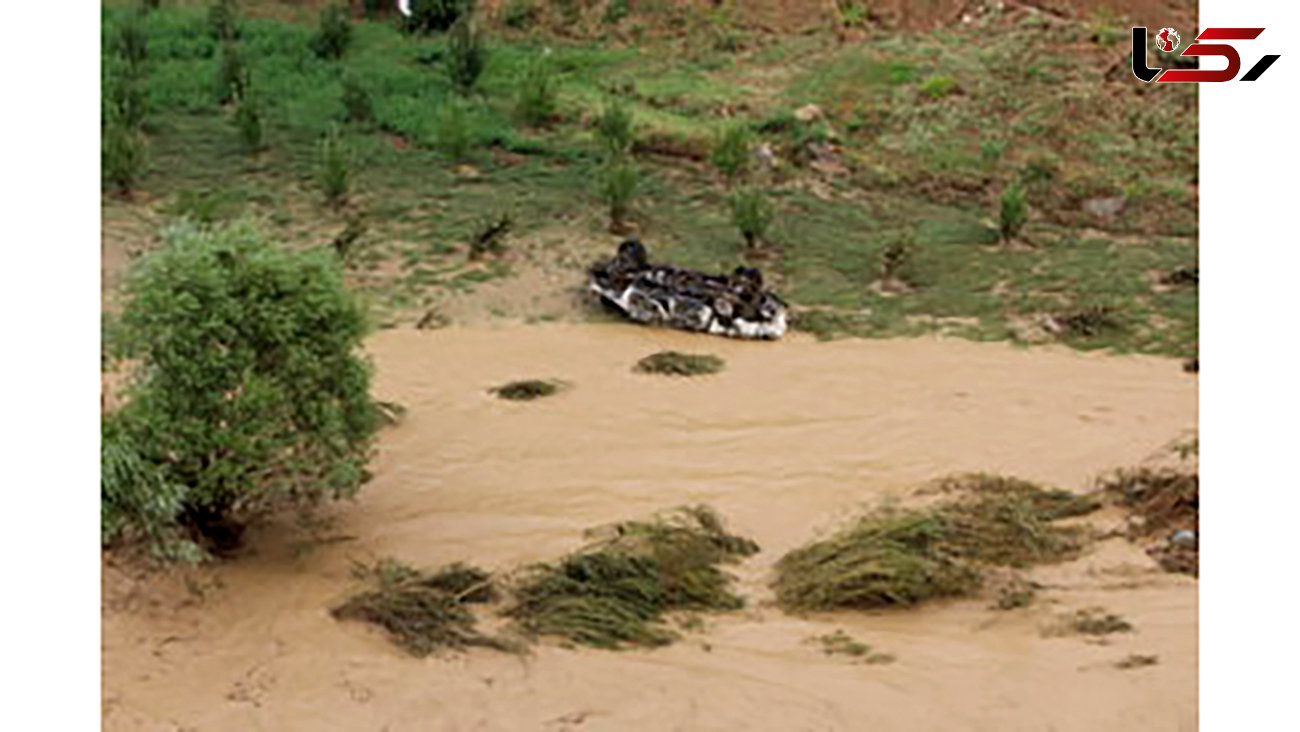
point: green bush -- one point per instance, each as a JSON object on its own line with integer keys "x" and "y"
{"x": 123, "y": 156}
{"x": 467, "y": 56}
{"x": 335, "y": 172}
{"x": 357, "y": 103}
{"x": 232, "y": 75}
{"x": 1013, "y": 213}
{"x": 430, "y": 16}
{"x": 335, "y": 33}
{"x": 139, "y": 504}
{"x": 615, "y": 130}
{"x": 454, "y": 131}
{"x": 617, "y": 184}
{"x": 249, "y": 393}
{"x": 223, "y": 20}
{"x": 248, "y": 120}
{"x": 731, "y": 151}
{"x": 535, "y": 103}
{"x": 127, "y": 99}
{"x": 752, "y": 214}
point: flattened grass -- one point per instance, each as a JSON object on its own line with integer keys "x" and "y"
{"x": 423, "y": 612}
{"x": 896, "y": 557}
{"x": 676, "y": 363}
{"x": 526, "y": 390}
{"x": 615, "y": 593}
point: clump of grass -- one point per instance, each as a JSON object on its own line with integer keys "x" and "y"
{"x": 526, "y": 390}
{"x": 124, "y": 160}
{"x": 617, "y": 182}
{"x": 731, "y": 155}
{"x": 223, "y": 20}
{"x": 334, "y": 173}
{"x": 1013, "y": 213}
{"x": 535, "y": 101}
{"x": 248, "y": 120}
{"x": 615, "y": 130}
{"x": 616, "y": 592}
{"x": 752, "y": 214}
{"x": 1181, "y": 277}
{"x": 232, "y": 74}
{"x": 1089, "y": 621}
{"x": 675, "y": 363}
{"x": 454, "y": 131}
{"x": 489, "y": 234}
{"x": 424, "y": 612}
{"x": 1016, "y": 593}
{"x": 897, "y": 557}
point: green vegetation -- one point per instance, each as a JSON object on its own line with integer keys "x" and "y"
{"x": 335, "y": 172}
{"x": 840, "y": 643}
{"x": 731, "y": 152}
{"x": 1013, "y": 213}
{"x": 752, "y": 214}
{"x": 424, "y": 612}
{"x": 248, "y": 393}
{"x": 335, "y": 33}
{"x": 467, "y": 55}
{"x": 896, "y": 557}
{"x": 675, "y": 363}
{"x": 547, "y": 117}
{"x": 615, "y": 593}
{"x": 1089, "y": 621}
{"x": 526, "y": 390}
{"x": 1162, "y": 502}
{"x": 248, "y": 120}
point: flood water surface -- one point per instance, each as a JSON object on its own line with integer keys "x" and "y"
{"x": 791, "y": 438}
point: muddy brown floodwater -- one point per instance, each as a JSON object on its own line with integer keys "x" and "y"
{"x": 791, "y": 438}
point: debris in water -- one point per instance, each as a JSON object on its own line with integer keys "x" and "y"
{"x": 526, "y": 390}
{"x": 674, "y": 363}
{"x": 615, "y": 593}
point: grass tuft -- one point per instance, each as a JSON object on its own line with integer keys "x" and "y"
{"x": 615, "y": 593}
{"x": 1163, "y": 502}
{"x": 896, "y": 557}
{"x": 526, "y": 390}
{"x": 675, "y": 363}
{"x": 424, "y": 612}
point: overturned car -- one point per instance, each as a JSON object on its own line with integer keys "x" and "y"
{"x": 733, "y": 305}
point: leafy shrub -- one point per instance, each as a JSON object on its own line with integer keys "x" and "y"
{"x": 752, "y": 214}
{"x": 617, "y": 184}
{"x": 335, "y": 33}
{"x": 938, "y": 87}
{"x": 335, "y": 172}
{"x": 223, "y": 20}
{"x": 731, "y": 151}
{"x": 123, "y": 156}
{"x": 127, "y": 97}
{"x": 453, "y": 131}
{"x": 535, "y": 103}
{"x": 357, "y": 103}
{"x": 232, "y": 75}
{"x": 615, "y": 130}
{"x": 1013, "y": 213}
{"x": 430, "y": 16}
{"x": 249, "y": 393}
{"x": 248, "y": 120}
{"x": 139, "y": 504}
{"x": 466, "y": 55}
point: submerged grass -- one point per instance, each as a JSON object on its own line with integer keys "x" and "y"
{"x": 1165, "y": 504}
{"x": 897, "y": 557}
{"x": 675, "y": 363}
{"x": 424, "y": 612}
{"x": 615, "y": 593}
{"x": 526, "y": 390}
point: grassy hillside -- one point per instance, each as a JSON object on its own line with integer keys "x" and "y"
{"x": 886, "y": 195}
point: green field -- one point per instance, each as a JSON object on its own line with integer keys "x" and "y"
{"x": 918, "y": 137}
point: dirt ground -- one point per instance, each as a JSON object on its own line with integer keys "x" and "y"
{"x": 791, "y": 438}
